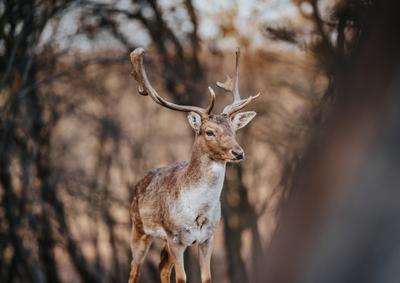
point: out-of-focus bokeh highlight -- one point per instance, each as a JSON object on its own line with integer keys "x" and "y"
{"x": 317, "y": 198}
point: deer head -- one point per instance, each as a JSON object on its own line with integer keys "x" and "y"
{"x": 215, "y": 133}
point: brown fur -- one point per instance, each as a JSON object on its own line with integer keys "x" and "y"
{"x": 220, "y": 146}
{"x": 180, "y": 203}
{"x": 170, "y": 180}
{"x": 160, "y": 188}
{"x": 165, "y": 266}
{"x": 134, "y": 274}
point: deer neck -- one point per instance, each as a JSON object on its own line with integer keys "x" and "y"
{"x": 202, "y": 169}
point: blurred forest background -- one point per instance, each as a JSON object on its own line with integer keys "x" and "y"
{"x": 317, "y": 198}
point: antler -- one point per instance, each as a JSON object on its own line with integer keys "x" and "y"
{"x": 145, "y": 88}
{"x": 232, "y": 86}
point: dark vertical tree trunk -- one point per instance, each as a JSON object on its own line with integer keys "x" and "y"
{"x": 340, "y": 221}
{"x": 239, "y": 215}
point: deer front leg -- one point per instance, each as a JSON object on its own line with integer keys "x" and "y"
{"x": 176, "y": 253}
{"x": 140, "y": 244}
{"x": 205, "y": 251}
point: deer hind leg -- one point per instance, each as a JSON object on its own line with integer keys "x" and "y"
{"x": 166, "y": 265}
{"x": 140, "y": 244}
{"x": 205, "y": 251}
{"x": 176, "y": 253}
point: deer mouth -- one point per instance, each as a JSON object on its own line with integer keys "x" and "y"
{"x": 235, "y": 159}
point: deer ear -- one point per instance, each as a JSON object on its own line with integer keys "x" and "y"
{"x": 242, "y": 119}
{"x": 194, "y": 121}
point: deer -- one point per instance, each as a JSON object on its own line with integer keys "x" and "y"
{"x": 180, "y": 203}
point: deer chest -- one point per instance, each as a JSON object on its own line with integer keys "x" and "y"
{"x": 197, "y": 212}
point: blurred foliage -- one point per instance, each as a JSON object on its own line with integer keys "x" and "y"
{"x": 339, "y": 223}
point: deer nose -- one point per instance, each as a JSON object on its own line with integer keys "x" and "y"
{"x": 238, "y": 153}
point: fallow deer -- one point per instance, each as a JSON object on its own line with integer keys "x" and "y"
{"x": 180, "y": 203}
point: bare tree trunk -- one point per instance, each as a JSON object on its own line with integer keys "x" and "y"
{"x": 239, "y": 215}
{"x": 340, "y": 222}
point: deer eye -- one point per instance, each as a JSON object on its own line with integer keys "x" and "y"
{"x": 210, "y": 133}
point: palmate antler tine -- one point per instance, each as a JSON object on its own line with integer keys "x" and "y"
{"x": 236, "y": 93}
{"x": 227, "y": 85}
{"x": 232, "y": 86}
{"x": 212, "y": 101}
{"x": 145, "y": 87}
{"x": 240, "y": 105}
